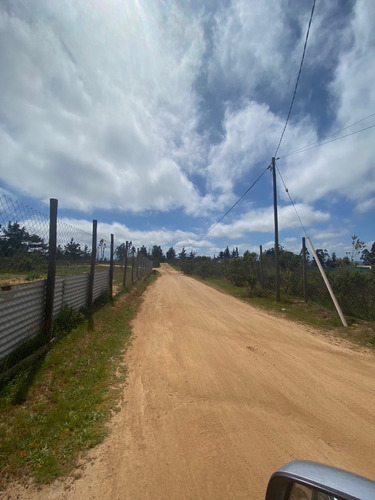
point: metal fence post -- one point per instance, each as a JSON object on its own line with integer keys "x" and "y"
{"x": 51, "y": 275}
{"x": 92, "y": 267}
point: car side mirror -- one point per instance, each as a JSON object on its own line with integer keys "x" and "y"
{"x": 304, "y": 480}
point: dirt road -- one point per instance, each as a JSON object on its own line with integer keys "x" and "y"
{"x": 218, "y": 396}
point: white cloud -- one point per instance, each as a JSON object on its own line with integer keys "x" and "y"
{"x": 345, "y": 167}
{"x": 262, "y": 220}
{"x": 254, "y": 48}
{"x": 99, "y": 107}
{"x": 366, "y": 206}
{"x": 122, "y": 233}
{"x": 105, "y": 104}
{"x": 251, "y": 135}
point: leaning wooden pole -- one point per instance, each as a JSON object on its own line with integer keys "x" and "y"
{"x": 328, "y": 285}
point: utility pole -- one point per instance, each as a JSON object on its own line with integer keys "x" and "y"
{"x": 277, "y": 266}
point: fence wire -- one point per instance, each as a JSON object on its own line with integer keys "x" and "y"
{"x": 354, "y": 287}
{"x": 38, "y": 302}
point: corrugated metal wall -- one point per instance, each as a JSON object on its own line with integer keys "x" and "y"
{"x": 75, "y": 291}
{"x": 21, "y": 314}
{"x": 22, "y": 306}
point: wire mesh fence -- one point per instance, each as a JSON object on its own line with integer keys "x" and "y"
{"x": 50, "y": 274}
{"x": 299, "y": 280}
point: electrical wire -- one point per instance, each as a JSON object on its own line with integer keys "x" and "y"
{"x": 312, "y": 146}
{"x": 291, "y": 201}
{"x": 307, "y": 148}
{"x": 328, "y": 136}
{"x": 237, "y": 202}
{"x": 297, "y": 81}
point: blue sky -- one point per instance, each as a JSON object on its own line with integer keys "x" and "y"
{"x": 155, "y": 116}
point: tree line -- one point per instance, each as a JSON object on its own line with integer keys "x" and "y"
{"x": 16, "y": 240}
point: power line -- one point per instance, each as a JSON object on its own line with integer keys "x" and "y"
{"x": 314, "y": 145}
{"x": 237, "y": 202}
{"x": 328, "y": 136}
{"x": 291, "y": 201}
{"x": 307, "y": 148}
{"x": 298, "y": 77}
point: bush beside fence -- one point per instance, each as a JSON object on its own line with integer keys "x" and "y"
{"x": 353, "y": 287}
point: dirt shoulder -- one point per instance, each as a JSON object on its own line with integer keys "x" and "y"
{"x": 218, "y": 396}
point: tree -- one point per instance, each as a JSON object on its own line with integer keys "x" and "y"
{"x": 235, "y": 253}
{"x": 322, "y": 256}
{"x": 120, "y": 252}
{"x": 289, "y": 260}
{"x": 357, "y": 247}
{"x": 59, "y": 252}
{"x": 368, "y": 257}
{"x": 192, "y": 255}
{"x": 307, "y": 256}
{"x": 171, "y": 254}
{"x": 157, "y": 253}
{"x": 182, "y": 254}
{"x": 250, "y": 256}
{"x": 203, "y": 266}
{"x": 16, "y": 239}
{"x": 237, "y": 271}
{"x": 72, "y": 250}
{"x": 343, "y": 262}
{"x": 36, "y": 244}
{"x": 331, "y": 260}
{"x": 86, "y": 254}
{"x": 143, "y": 251}
{"x": 101, "y": 249}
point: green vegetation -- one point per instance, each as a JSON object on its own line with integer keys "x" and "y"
{"x": 309, "y": 313}
{"x": 59, "y": 406}
{"x": 354, "y": 287}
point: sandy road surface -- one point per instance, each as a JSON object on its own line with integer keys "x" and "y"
{"x": 218, "y": 396}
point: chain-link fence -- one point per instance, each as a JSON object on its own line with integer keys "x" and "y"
{"x": 51, "y": 273}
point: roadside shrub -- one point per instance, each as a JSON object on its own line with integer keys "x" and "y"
{"x": 356, "y": 293}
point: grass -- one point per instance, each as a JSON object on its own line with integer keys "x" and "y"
{"x": 13, "y": 277}
{"x": 59, "y": 406}
{"x": 309, "y": 313}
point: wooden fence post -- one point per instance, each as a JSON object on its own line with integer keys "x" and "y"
{"x": 92, "y": 267}
{"x": 261, "y": 265}
{"x": 51, "y": 274}
{"x": 133, "y": 252}
{"x": 111, "y": 267}
{"x": 304, "y": 267}
{"x": 125, "y": 264}
{"x": 137, "y": 273}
